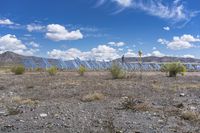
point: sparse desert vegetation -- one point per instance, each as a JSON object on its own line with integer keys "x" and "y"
{"x": 116, "y": 71}
{"x": 172, "y": 69}
{"x": 81, "y": 70}
{"x": 18, "y": 70}
{"x": 66, "y": 102}
{"x": 52, "y": 71}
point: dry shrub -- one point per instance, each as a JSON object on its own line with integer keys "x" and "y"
{"x": 19, "y": 100}
{"x": 135, "y": 104}
{"x": 189, "y": 115}
{"x": 93, "y": 97}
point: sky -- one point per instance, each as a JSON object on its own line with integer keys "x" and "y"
{"x": 100, "y": 29}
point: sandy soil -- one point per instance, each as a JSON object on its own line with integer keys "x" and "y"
{"x": 94, "y": 103}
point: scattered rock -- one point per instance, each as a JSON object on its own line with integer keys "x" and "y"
{"x": 7, "y": 128}
{"x": 43, "y": 115}
{"x": 3, "y": 112}
{"x": 180, "y": 105}
{"x": 193, "y": 108}
{"x": 160, "y": 121}
{"x": 182, "y": 94}
{"x": 2, "y": 87}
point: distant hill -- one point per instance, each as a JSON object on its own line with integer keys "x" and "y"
{"x": 10, "y": 58}
{"x": 161, "y": 59}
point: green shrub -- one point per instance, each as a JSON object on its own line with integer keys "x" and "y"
{"x": 52, "y": 71}
{"x": 172, "y": 69}
{"x": 117, "y": 72}
{"x": 81, "y": 70}
{"x": 18, "y": 70}
{"x": 38, "y": 69}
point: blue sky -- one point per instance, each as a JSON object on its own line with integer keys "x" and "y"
{"x": 100, "y": 29}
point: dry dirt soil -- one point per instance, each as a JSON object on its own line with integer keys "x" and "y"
{"x": 95, "y": 103}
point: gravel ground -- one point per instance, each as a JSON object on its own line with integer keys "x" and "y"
{"x": 38, "y": 103}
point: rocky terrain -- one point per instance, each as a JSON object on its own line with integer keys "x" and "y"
{"x": 69, "y": 103}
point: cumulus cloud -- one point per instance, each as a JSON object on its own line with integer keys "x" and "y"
{"x": 101, "y": 52}
{"x": 117, "y": 44}
{"x": 166, "y": 28}
{"x": 35, "y": 27}
{"x": 58, "y": 32}
{"x": 184, "y": 42}
{"x": 11, "y": 43}
{"x": 104, "y": 52}
{"x": 188, "y": 56}
{"x": 6, "y": 22}
{"x": 69, "y": 54}
{"x": 157, "y": 53}
{"x": 130, "y": 53}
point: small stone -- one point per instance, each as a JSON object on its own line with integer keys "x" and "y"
{"x": 180, "y": 105}
{"x": 193, "y": 108}
{"x": 43, "y": 115}
{"x": 182, "y": 94}
{"x": 2, "y": 87}
{"x": 2, "y": 113}
{"x": 155, "y": 114}
{"x": 160, "y": 121}
{"x": 22, "y": 121}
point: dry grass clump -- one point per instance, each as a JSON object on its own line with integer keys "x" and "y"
{"x": 135, "y": 104}
{"x": 13, "y": 111}
{"x": 19, "y": 100}
{"x": 190, "y": 115}
{"x": 92, "y": 97}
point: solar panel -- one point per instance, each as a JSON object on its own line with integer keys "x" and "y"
{"x": 95, "y": 65}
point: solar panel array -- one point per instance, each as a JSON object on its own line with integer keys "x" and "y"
{"x": 44, "y": 63}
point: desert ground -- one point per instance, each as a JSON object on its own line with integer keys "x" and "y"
{"x": 95, "y": 103}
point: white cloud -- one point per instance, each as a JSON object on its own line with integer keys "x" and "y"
{"x": 130, "y": 53}
{"x": 157, "y": 53}
{"x": 102, "y": 52}
{"x": 124, "y": 3}
{"x": 6, "y": 22}
{"x": 35, "y": 27}
{"x": 34, "y": 44}
{"x": 175, "y": 11}
{"x": 184, "y": 42}
{"x": 166, "y": 28}
{"x": 188, "y": 56}
{"x": 69, "y": 54}
{"x": 58, "y": 32}
{"x": 154, "y": 48}
{"x": 117, "y": 44}
{"x": 11, "y": 43}
{"x": 162, "y": 41}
